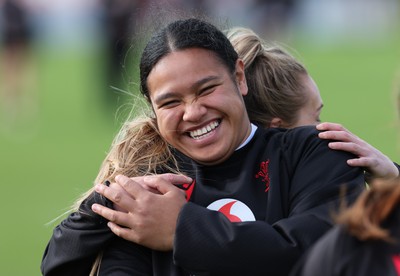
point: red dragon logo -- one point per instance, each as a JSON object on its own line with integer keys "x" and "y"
{"x": 264, "y": 174}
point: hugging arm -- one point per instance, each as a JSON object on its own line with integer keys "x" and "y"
{"x": 77, "y": 241}
{"x": 148, "y": 218}
{"x": 377, "y": 164}
{"x": 125, "y": 258}
{"x": 206, "y": 241}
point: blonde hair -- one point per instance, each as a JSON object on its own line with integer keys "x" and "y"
{"x": 273, "y": 78}
{"x": 138, "y": 149}
{"x": 365, "y": 217}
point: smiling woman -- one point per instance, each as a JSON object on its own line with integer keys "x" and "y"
{"x": 206, "y": 104}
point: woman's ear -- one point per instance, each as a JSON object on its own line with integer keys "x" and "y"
{"x": 276, "y": 122}
{"x": 241, "y": 77}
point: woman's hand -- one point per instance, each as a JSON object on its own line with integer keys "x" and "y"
{"x": 144, "y": 217}
{"x": 374, "y": 161}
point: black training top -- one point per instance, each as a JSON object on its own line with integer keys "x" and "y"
{"x": 340, "y": 254}
{"x": 254, "y": 214}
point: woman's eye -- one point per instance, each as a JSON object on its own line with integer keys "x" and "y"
{"x": 168, "y": 104}
{"x": 207, "y": 90}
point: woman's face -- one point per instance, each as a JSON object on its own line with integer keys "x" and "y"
{"x": 198, "y": 104}
{"x": 310, "y": 113}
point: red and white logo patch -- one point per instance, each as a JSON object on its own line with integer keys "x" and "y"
{"x": 233, "y": 209}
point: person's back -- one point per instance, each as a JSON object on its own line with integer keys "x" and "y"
{"x": 365, "y": 242}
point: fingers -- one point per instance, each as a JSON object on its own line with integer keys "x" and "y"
{"x": 330, "y": 126}
{"x": 165, "y": 184}
{"x": 154, "y": 183}
{"x": 132, "y": 187}
{"x": 122, "y": 195}
{"x": 173, "y": 178}
{"x": 337, "y": 135}
{"x": 118, "y": 189}
{"x": 176, "y": 178}
{"x": 349, "y": 147}
{"x": 111, "y": 215}
{"x": 123, "y": 232}
{"x": 361, "y": 162}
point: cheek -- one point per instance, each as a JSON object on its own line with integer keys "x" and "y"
{"x": 308, "y": 119}
{"x": 167, "y": 120}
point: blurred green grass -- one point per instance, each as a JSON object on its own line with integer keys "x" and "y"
{"x": 49, "y": 160}
{"x": 359, "y": 87}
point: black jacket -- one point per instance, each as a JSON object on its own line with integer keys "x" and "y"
{"x": 339, "y": 254}
{"x": 78, "y": 239}
{"x": 274, "y": 198}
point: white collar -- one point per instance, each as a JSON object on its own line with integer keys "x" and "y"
{"x": 248, "y": 139}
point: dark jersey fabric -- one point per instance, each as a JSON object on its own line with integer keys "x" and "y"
{"x": 77, "y": 241}
{"x": 290, "y": 180}
{"x": 339, "y": 254}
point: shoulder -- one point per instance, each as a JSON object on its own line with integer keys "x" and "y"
{"x": 301, "y": 135}
{"x": 335, "y": 240}
{"x": 292, "y": 142}
{"x": 296, "y": 141}
{"x": 305, "y": 140}
{"x": 293, "y": 135}
{"x": 329, "y": 254}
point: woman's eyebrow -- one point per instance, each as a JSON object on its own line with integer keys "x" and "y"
{"x": 203, "y": 81}
{"x": 195, "y": 85}
{"x": 161, "y": 97}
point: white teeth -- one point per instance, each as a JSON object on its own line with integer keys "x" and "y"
{"x": 198, "y": 133}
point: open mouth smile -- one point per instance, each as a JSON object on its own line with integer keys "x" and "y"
{"x": 204, "y": 131}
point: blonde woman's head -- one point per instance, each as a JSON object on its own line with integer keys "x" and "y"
{"x": 281, "y": 93}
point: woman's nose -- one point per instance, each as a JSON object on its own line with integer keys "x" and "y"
{"x": 194, "y": 111}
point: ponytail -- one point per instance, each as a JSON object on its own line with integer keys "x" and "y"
{"x": 365, "y": 217}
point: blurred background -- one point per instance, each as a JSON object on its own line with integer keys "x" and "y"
{"x": 69, "y": 78}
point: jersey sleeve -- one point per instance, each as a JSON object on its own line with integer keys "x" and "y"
{"x": 77, "y": 241}
{"x": 206, "y": 242}
{"x": 125, "y": 258}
